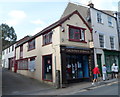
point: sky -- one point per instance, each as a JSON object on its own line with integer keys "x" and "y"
{"x": 29, "y": 17}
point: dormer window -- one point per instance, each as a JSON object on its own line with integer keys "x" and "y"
{"x": 76, "y": 33}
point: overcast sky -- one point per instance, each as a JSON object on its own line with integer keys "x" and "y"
{"x": 28, "y": 17}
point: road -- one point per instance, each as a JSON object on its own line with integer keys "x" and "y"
{"x": 16, "y": 84}
{"x": 107, "y": 89}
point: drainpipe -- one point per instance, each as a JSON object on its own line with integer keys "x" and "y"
{"x": 15, "y": 63}
{"x": 57, "y": 72}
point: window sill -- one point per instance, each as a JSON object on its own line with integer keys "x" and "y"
{"x": 22, "y": 69}
{"x": 77, "y": 41}
{"x": 110, "y": 26}
{"x": 47, "y": 44}
{"x": 100, "y": 23}
{"x": 31, "y": 49}
{"x": 47, "y": 80}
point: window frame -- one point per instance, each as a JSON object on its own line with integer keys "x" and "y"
{"x": 12, "y": 47}
{"x": 110, "y": 21}
{"x": 31, "y": 59}
{"x": 31, "y": 44}
{"x": 47, "y": 38}
{"x": 112, "y": 43}
{"x": 80, "y": 31}
{"x": 99, "y": 18}
{"x": 103, "y": 41}
{"x": 21, "y": 51}
{"x": 23, "y": 60}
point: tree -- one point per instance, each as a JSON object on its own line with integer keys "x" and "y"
{"x": 8, "y": 35}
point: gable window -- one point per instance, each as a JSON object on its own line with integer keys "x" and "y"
{"x": 101, "y": 40}
{"x": 99, "y": 17}
{"x": 47, "y": 38}
{"x": 31, "y": 45}
{"x": 76, "y": 33}
{"x": 112, "y": 42}
{"x": 21, "y": 51}
{"x": 110, "y": 21}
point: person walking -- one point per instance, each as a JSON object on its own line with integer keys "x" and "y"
{"x": 116, "y": 70}
{"x": 113, "y": 71}
{"x": 104, "y": 71}
{"x": 96, "y": 71}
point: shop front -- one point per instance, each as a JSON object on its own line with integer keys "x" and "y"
{"x": 76, "y": 64}
{"x": 110, "y": 58}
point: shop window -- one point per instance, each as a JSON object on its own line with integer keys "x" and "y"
{"x": 31, "y": 65}
{"x": 21, "y": 51}
{"x": 77, "y": 67}
{"x": 47, "y": 38}
{"x": 101, "y": 40}
{"x": 31, "y": 45}
{"x": 22, "y": 64}
{"x": 76, "y": 34}
{"x": 47, "y": 67}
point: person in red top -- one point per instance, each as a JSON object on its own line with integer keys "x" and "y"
{"x": 95, "y": 71}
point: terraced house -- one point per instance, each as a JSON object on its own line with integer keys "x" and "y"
{"x": 105, "y": 34}
{"x": 63, "y": 46}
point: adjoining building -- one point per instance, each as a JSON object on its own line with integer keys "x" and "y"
{"x": 63, "y": 46}
{"x": 105, "y": 35}
{"x": 8, "y": 55}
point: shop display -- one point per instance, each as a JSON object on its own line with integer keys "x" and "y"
{"x": 75, "y": 67}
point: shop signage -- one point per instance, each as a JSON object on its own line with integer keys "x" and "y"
{"x": 67, "y": 50}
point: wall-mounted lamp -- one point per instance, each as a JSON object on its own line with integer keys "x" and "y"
{"x": 62, "y": 29}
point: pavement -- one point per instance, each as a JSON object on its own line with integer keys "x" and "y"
{"x": 16, "y": 84}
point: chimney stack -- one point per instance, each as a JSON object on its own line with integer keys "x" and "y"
{"x": 90, "y": 4}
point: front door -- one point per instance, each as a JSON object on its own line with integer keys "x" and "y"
{"x": 47, "y": 67}
{"x": 99, "y": 62}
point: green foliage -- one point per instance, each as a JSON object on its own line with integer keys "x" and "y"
{"x": 8, "y": 35}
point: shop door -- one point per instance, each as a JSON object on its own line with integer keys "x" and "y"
{"x": 47, "y": 67}
{"x": 99, "y": 62}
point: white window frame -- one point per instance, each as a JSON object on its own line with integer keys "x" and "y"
{"x": 99, "y": 17}
{"x": 113, "y": 42}
{"x": 103, "y": 40}
{"x": 110, "y": 21}
{"x": 32, "y": 64}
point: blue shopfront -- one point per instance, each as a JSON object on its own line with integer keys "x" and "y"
{"x": 76, "y": 64}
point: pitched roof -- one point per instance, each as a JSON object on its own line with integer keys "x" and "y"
{"x": 83, "y": 10}
{"x": 72, "y": 7}
{"x": 58, "y": 23}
